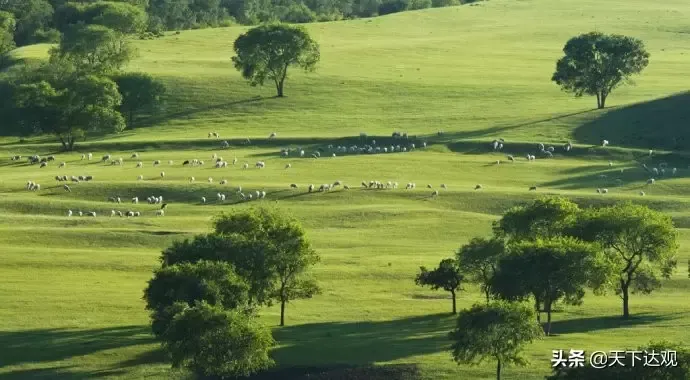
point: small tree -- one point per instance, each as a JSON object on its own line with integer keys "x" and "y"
{"x": 447, "y": 277}
{"x": 641, "y": 243}
{"x": 266, "y": 52}
{"x": 479, "y": 259}
{"x": 595, "y": 64}
{"x": 212, "y": 342}
{"x": 496, "y": 331}
{"x": 549, "y": 271}
{"x": 140, "y": 93}
{"x": 213, "y": 282}
{"x": 545, "y": 217}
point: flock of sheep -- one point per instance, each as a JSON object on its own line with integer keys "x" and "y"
{"x": 369, "y": 147}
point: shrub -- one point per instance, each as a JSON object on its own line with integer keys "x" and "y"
{"x": 419, "y": 4}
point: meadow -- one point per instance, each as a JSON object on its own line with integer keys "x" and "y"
{"x": 71, "y": 288}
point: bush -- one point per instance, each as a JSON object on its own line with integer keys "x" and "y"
{"x": 212, "y": 342}
{"x": 419, "y": 4}
{"x": 444, "y": 3}
{"x": 297, "y": 13}
{"x": 49, "y": 36}
{"x": 393, "y": 6}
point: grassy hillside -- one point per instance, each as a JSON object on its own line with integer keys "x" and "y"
{"x": 70, "y": 288}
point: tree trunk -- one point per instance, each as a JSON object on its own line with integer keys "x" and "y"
{"x": 536, "y": 307}
{"x": 603, "y": 101}
{"x": 70, "y": 142}
{"x": 64, "y": 143}
{"x": 452, "y": 293}
{"x": 130, "y": 116}
{"x": 282, "y": 312}
{"x": 547, "y": 306}
{"x": 488, "y": 298}
{"x": 498, "y": 369}
{"x": 625, "y": 288}
{"x": 279, "y": 87}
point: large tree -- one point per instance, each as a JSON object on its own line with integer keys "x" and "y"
{"x": 267, "y": 51}
{"x": 54, "y": 99}
{"x": 282, "y": 239}
{"x": 93, "y": 48}
{"x": 549, "y": 271}
{"x": 121, "y": 17}
{"x": 210, "y": 281}
{"x": 496, "y": 331}
{"x": 266, "y": 247}
{"x": 140, "y": 93}
{"x": 641, "y": 242}
{"x": 596, "y": 63}
{"x": 447, "y": 277}
{"x": 542, "y": 218}
{"x": 478, "y": 260}
{"x": 216, "y": 343}
{"x": 32, "y": 19}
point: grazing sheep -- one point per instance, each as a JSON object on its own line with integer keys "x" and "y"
{"x": 337, "y": 183}
{"x": 656, "y": 171}
{"x": 263, "y": 194}
{"x": 160, "y": 212}
{"x": 214, "y": 156}
{"x": 311, "y": 188}
{"x": 429, "y": 186}
{"x": 62, "y": 165}
{"x": 674, "y": 171}
{"x": 69, "y": 213}
{"x": 44, "y": 164}
{"x": 477, "y": 187}
{"x": 162, "y": 174}
{"x": 210, "y": 180}
{"x": 443, "y": 186}
{"x": 66, "y": 187}
{"x": 598, "y": 191}
{"x": 191, "y": 179}
{"x": 203, "y": 199}
{"x": 260, "y": 164}
{"x": 112, "y": 213}
{"x": 89, "y": 156}
{"x": 225, "y": 145}
{"x": 604, "y": 191}
{"x": 610, "y": 163}
{"x": 498, "y": 162}
{"x": 250, "y": 196}
{"x": 533, "y": 188}
{"x": 80, "y": 213}
{"x": 185, "y": 163}
{"x": 224, "y": 182}
{"x": 550, "y": 149}
{"x": 293, "y": 185}
{"x": 234, "y": 160}
{"x": 651, "y": 152}
{"x": 642, "y": 193}
{"x": 272, "y": 135}
{"x": 140, "y": 164}
{"x": 219, "y": 196}
{"x": 604, "y": 143}
{"x": 118, "y": 200}
{"x": 434, "y": 193}
{"x": 651, "y": 181}
{"x": 157, "y": 162}
{"x": 288, "y": 166}
{"x": 301, "y": 153}
{"x": 129, "y": 214}
{"x": 37, "y": 187}
{"x": 511, "y": 158}
{"x": 135, "y": 155}
{"x": 346, "y": 187}
{"x": 140, "y": 177}
{"x": 83, "y": 157}
{"x": 91, "y": 213}
{"x": 135, "y": 200}
{"x": 245, "y": 166}
{"x": 137, "y": 213}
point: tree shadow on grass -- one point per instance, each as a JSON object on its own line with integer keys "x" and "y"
{"x": 47, "y": 345}
{"x": 592, "y": 324}
{"x": 656, "y": 124}
{"x": 362, "y": 342}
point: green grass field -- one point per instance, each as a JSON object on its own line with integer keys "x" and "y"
{"x": 71, "y": 288}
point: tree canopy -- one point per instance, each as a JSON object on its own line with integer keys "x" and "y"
{"x": 478, "y": 260}
{"x": 641, "y": 242}
{"x": 140, "y": 93}
{"x": 497, "y": 331}
{"x": 596, "y": 63}
{"x": 7, "y": 27}
{"x": 545, "y": 217}
{"x": 557, "y": 269}
{"x": 267, "y": 51}
{"x": 214, "y": 342}
{"x": 210, "y": 281}
{"x": 93, "y": 48}
{"x": 446, "y": 276}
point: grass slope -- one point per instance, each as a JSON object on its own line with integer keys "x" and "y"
{"x": 70, "y": 289}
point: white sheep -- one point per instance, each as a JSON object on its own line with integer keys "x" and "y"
{"x": 135, "y": 155}
{"x": 157, "y": 162}
{"x": 89, "y": 156}
{"x": 293, "y": 185}
{"x": 191, "y": 179}
{"x": 69, "y": 213}
{"x": 604, "y": 143}
{"x": 140, "y": 164}
{"x": 272, "y": 135}
{"x": 642, "y": 193}
{"x": 112, "y": 213}
{"x": 203, "y": 199}
{"x": 140, "y": 177}
{"x": 62, "y": 165}
{"x": 135, "y": 200}
{"x": 118, "y": 200}
{"x": 301, "y": 153}
{"x": 234, "y": 161}
{"x": 434, "y": 193}
{"x": 83, "y": 157}
{"x": 674, "y": 170}
{"x": 288, "y": 166}
{"x": 224, "y": 182}
{"x": 162, "y": 174}
{"x": 245, "y": 166}
{"x": 160, "y": 212}
{"x": 651, "y": 181}
{"x": 604, "y": 191}
{"x": 443, "y": 186}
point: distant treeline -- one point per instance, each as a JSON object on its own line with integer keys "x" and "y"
{"x": 37, "y": 21}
